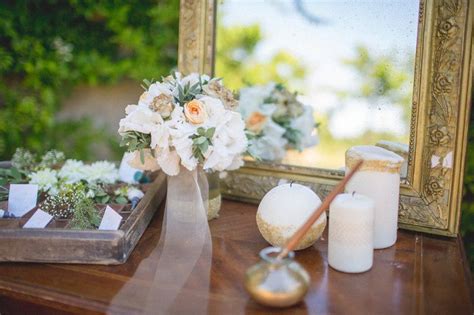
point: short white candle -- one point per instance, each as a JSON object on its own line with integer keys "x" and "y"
{"x": 351, "y": 233}
{"x": 378, "y": 179}
{"x": 284, "y": 209}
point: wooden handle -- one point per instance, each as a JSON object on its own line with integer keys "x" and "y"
{"x": 294, "y": 240}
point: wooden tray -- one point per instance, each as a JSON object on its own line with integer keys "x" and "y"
{"x": 56, "y": 244}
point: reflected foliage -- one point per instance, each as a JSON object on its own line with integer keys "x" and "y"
{"x": 382, "y": 79}
{"x": 239, "y": 65}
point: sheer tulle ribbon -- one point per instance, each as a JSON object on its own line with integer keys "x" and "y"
{"x": 184, "y": 249}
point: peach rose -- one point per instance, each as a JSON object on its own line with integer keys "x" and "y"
{"x": 256, "y": 122}
{"x": 195, "y": 112}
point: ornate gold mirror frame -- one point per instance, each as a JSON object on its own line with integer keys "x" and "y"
{"x": 431, "y": 195}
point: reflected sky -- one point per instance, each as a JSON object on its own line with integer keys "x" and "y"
{"x": 322, "y": 34}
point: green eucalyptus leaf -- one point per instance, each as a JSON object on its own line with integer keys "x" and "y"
{"x": 201, "y": 131}
{"x": 204, "y": 146}
{"x": 210, "y": 132}
{"x": 15, "y": 173}
{"x": 199, "y": 140}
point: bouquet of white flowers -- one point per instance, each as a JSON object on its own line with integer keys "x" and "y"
{"x": 277, "y": 120}
{"x": 185, "y": 121}
{"x": 184, "y": 125}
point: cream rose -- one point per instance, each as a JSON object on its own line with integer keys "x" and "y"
{"x": 256, "y": 122}
{"x": 195, "y": 112}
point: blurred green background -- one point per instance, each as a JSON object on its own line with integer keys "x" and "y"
{"x": 51, "y": 47}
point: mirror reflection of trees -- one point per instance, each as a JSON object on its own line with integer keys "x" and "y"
{"x": 237, "y": 63}
{"x": 384, "y": 83}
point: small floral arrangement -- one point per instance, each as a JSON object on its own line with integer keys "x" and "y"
{"x": 185, "y": 121}
{"x": 277, "y": 121}
{"x": 73, "y": 171}
{"x": 71, "y": 189}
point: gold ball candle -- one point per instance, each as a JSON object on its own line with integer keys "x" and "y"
{"x": 284, "y": 209}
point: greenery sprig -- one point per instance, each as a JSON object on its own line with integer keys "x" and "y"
{"x": 187, "y": 92}
{"x": 201, "y": 142}
{"x": 147, "y": 83}
{"x": 9, "y": 176}
{"x": 86, "y": 215}
{"x": 136, "y": 141}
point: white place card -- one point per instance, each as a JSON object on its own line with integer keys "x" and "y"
{"x": 126, "y": 172}
{"x": 2, "y": 212}
{"x": 111, "y": 220}
{"x": 38, "y": 220}
{"x": 22, "y": 198}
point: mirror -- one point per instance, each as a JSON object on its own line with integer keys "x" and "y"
{"x": 317, "y": 77}
{"x": 383, "y": 92}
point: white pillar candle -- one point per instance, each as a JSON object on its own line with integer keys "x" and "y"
{"x": 401, "y": 149}
{"x": 286, "y": 208}
{"x": 378, "y": 179}
{"x": 351, "y": 233}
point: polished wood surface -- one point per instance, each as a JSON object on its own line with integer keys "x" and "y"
{"x": 419, "y": 275}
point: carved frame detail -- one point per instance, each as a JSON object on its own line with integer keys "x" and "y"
{"x": 431, "y": 196}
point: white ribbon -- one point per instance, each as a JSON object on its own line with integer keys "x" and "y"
{"x": 184, "y": 250}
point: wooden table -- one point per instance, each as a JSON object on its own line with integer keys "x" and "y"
{"x": 421, "y": 274}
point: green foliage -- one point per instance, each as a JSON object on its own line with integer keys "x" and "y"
{"x": 201, "y": 142}
{"x": 48, "y": 47}
{"x": 9, "y": 176}
{"x": 382, "y": 78}
{"x": 86, "y": 215}
{"x": 292, "y": 135}
{"x": 467, "y": 206}
{"x": 121, "y": 195}
{"x": 236, "y": 60}
{"x": 135, "y": 140}
{"x": 188, "y": 92}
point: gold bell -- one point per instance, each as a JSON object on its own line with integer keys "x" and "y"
{"x": 277, "y": 282}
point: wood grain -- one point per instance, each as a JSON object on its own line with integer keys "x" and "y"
{"x": 420, "y": 274}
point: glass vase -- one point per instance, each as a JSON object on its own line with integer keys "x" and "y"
{"x": 215, "y": 198}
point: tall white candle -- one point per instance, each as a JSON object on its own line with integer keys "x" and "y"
{"x": 401, "y": 149}
{"x": 378, "y": 179}
{"x": 351, "y": 233}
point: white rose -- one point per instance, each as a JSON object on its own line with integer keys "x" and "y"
{"x": 45, "y": 179}
{"x": 101, "y": 172}
{"x": 72, "y": 171}
{"x": 140, "y": 119}
{"x": 229, "y": 142}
